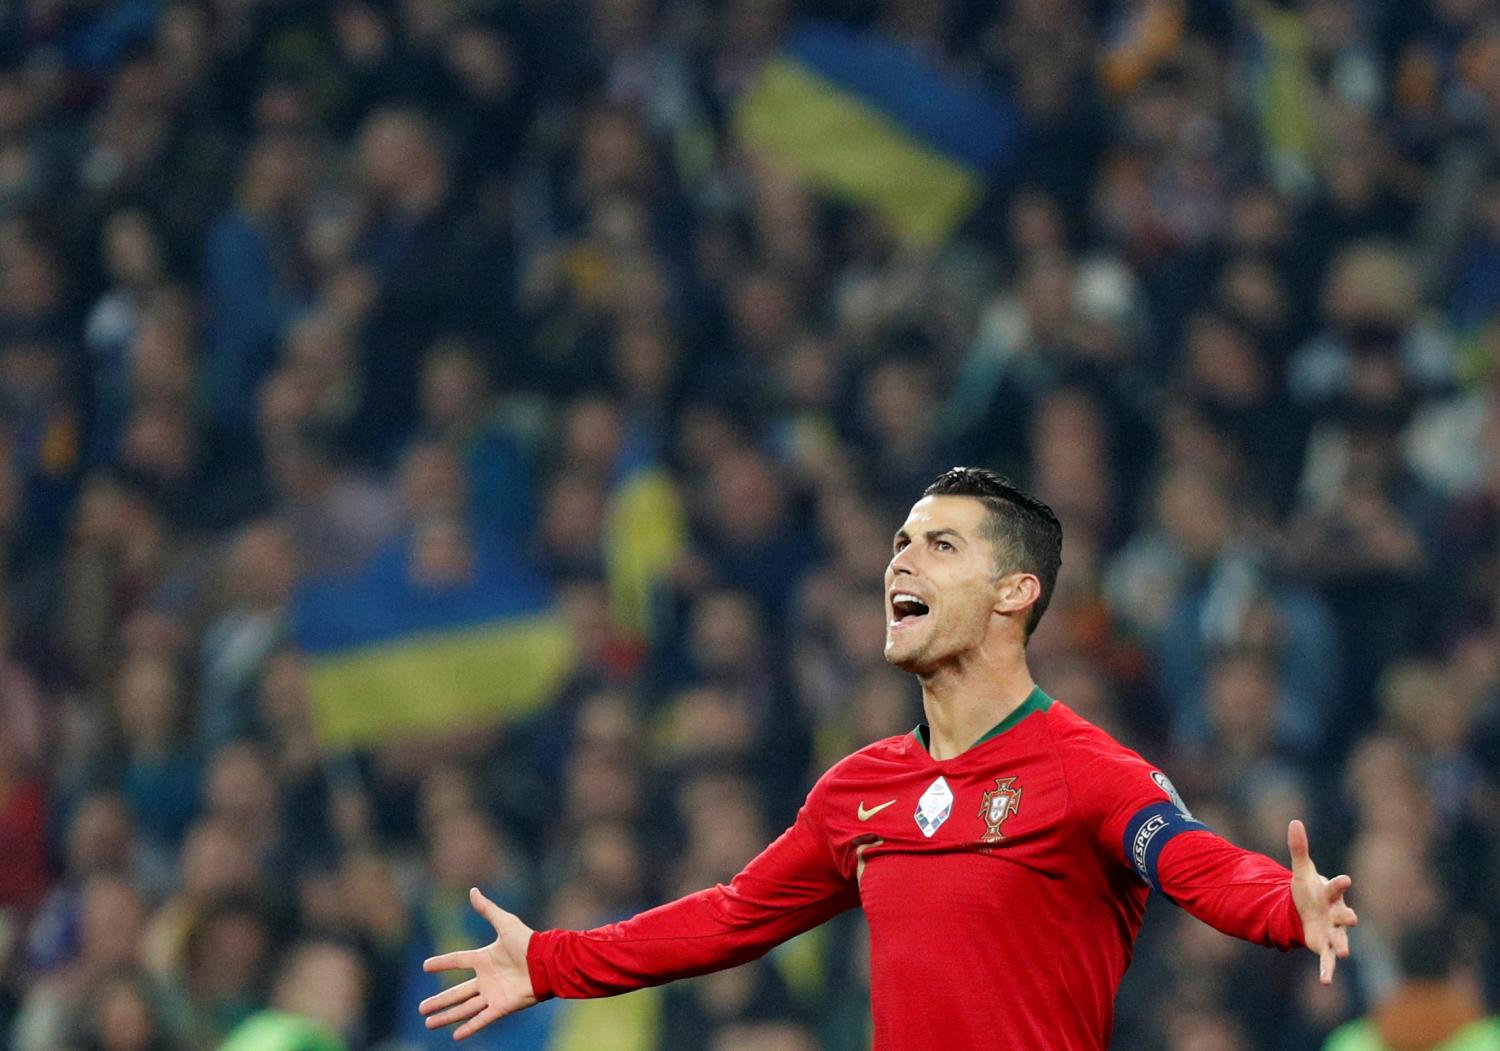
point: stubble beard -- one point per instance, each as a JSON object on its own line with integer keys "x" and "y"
{"x": 944, "y": 643}
{"x": 914, "y": 659}
{"x": 893, "y": 655}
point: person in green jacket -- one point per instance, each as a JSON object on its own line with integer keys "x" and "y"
{"x": 318, "y": 998}
{"x": 1436, "y": 1007}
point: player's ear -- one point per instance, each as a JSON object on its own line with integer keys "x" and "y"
{"x": 1015, "y": 592}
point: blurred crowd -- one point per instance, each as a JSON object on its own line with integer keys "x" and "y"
{"x": 287, "y": 286}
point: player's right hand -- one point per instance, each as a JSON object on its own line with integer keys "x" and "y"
{"x": 501, "y": 984}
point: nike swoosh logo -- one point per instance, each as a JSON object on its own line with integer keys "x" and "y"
{"x": 865, "y": 815}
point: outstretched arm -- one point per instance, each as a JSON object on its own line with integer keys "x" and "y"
{"x": 1134, "y": 809}
{"x": 791, "y": 887}
{"x": 1250, "y": 896}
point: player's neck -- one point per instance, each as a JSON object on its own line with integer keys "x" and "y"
{"x": 966, "y": 700}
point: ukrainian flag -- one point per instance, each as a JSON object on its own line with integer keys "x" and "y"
{"x": 1287, "y": 84}
{"x": 874, "y": 122}
{"x": 389, "y": 658}
{"x": 645, "y": 533}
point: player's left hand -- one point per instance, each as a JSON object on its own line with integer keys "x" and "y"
{"x": 1320, "y": 902}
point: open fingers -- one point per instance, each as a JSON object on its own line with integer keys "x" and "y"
{"x": 486, "y": 908}
{"x": 1327, "y": 960}
{"x": 1344, "y": 916}
{"x": 1337, "y": 886}
{"x": 1296, "y": 845}
{"x": 1341, "y": 942}
{"x": 462, "y": 1013}
{"x": 450, "y": 961}
{"x": 478, "y": 1022}
{"x": 448, "y": 997}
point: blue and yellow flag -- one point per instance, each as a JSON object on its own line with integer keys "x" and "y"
{"x": 1286, "y": 86}
{"x": 874, "y": 122}
{"x": 389, "y": 658}
{"x": 645, "y": 533}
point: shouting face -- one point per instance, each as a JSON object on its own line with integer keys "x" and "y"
{"x": 941, "y": 586}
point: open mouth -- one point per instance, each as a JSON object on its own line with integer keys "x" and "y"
{"x": 907, "y": 608}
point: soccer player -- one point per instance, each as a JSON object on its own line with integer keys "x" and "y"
{"x": 1002, "y": 851}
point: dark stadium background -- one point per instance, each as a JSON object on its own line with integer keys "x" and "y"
{"x": 322, "y": 319}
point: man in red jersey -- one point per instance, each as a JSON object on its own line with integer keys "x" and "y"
{"x": 1002, "y": 851}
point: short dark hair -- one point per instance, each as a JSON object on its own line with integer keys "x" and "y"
{"x": 1024, "y": 531}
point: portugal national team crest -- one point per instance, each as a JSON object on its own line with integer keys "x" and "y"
{"x": 998, "y": 804}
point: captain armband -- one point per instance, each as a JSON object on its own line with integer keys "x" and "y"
{"x": 1151, "y": 829}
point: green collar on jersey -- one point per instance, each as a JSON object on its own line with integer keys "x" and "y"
{"x": 1036, "y": 701}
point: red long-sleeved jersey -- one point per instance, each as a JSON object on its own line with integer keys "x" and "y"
{"x": 1003, "y": 888}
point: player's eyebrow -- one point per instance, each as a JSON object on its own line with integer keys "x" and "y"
{"x": 931, "y": 534}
